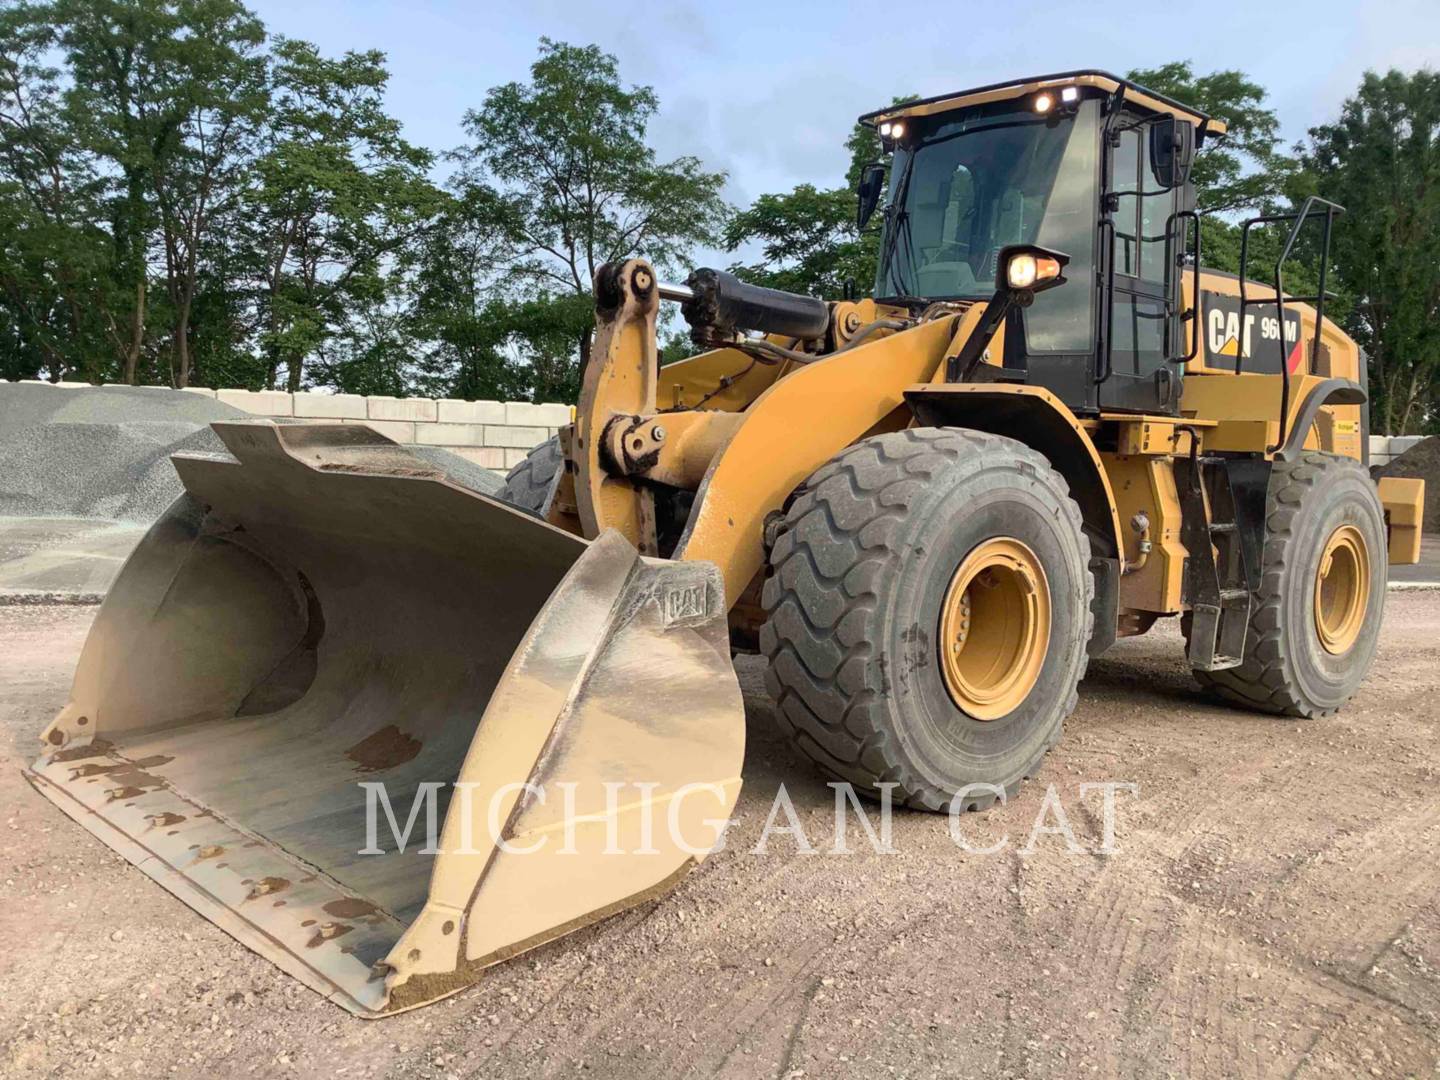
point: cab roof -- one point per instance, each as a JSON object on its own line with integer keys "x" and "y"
{"x": 1099, "y": 80}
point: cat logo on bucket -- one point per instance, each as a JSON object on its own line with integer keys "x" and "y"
{"x": 1253, "y": 336}
{"x": 684, "y": 602}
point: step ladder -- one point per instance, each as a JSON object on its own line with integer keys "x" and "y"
{"x": 1218, "y": 584}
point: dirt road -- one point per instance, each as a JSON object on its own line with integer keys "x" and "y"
{"x": 1272, "y": 908}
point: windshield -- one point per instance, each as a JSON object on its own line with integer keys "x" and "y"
{"x": 978, "y": 181}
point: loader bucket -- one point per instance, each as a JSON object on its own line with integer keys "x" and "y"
{"x": 323, "y": 619}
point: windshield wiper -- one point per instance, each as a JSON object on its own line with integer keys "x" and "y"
{"x": 892, "y": 267}
{"x": 898, "y": 219}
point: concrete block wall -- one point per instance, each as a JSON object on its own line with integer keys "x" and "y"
{"x": 493, "y": 434}
{"x": 1386, "y": 448}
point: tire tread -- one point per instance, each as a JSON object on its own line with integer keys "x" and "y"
{"x": 528, "y": 483}
{"x": 839, "y": 535}
{"x": 1266, "y": 679}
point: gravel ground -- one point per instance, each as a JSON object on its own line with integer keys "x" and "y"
{"x": 1425, "y": 573}
{"x": 1271, "y": 909}
{"x": 57, "y": 560}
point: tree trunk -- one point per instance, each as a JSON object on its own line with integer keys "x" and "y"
{"x": 1392, "y": 401}
{"x": 56, "y": 363}
{"x": 181, "y": 340}
{"x": 1412, "y": 398}
{"x": 272, "y": 352}
{"x": 131, "y": 233}
{"x": 137, "y": 333}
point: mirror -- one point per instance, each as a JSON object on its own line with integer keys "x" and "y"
{"x": 1172, "y": 149}
{"x": 869, "y": 187}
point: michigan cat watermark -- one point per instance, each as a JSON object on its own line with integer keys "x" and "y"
{"x": 629, "y": 818}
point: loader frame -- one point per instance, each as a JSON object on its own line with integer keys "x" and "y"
{"x": 963, "y": 362}
{"x": 743, "y": 461}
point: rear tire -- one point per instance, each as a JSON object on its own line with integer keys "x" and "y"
{"x": 861, "y": 573}
{"x": 530, "y": 483}
{"x": 1318, "y": 504}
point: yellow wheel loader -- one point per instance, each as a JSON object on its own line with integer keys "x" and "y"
{"x": 1049, "y": 428}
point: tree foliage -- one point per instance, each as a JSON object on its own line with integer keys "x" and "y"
{"x": 808, "y": 237}
{"x": 1381, "y": 161}
{"x": 1241, "y": 170}
{"x": 578, "y": 185}
{"x": 556, "y": 180}
{"x": 57, "y": 288}
{"x": 808, "y": 242}
{"x": 165, "y": 95}
{"x": 337, "y": 191}
{"x": 185, "y": 198}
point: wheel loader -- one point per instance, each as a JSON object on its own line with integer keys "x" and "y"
{"x": 1048, "y": 428}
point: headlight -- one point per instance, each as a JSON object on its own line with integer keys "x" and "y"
{"x": 1028, "y": 268}
{"x": 1025, "y": 270}
{"x": 1021, "y": 272}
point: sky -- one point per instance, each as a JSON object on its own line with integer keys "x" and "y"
{"x": 767, "y": 90}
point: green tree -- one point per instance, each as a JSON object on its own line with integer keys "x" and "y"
{"x": 54, "y": 257}
{"x": 808, "y": 238}
{"x": 808, "y": 241}
{"x": 453, "y": 309}
{"x": 199, "y": 185}
{"x": 162, "y": 92}
{"x": 486, "y": 340}
{"x": 559, "y": 169}
{"x": 1381, "y": 161}
{"x": 371, "y": 351}
{"x": 183, "y": 198}
{"x": 338, "y": 194}
{"x": 1241, "y": 171}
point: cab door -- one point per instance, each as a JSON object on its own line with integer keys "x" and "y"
{"x": 1141, "y": 279}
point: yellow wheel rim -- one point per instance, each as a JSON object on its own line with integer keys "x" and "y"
{"x": 994, "y": 628}
{"x": 1342, "y": 589}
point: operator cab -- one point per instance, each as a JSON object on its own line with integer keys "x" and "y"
{"x": 1085, "y": 164}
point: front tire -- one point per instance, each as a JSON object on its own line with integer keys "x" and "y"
{"x": 902, "y": 540}
{"x": 1315, "y": 618}
{"x": 530, "y": 483}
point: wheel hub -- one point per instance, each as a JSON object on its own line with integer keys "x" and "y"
{"x": 994, "y": 628}
{"x": 1342, "y": 589}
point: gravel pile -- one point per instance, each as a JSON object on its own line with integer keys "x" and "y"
{"x": 105, "y": 453}
{"x": 102, "y": 453}
{"x": 461, "y": 470}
